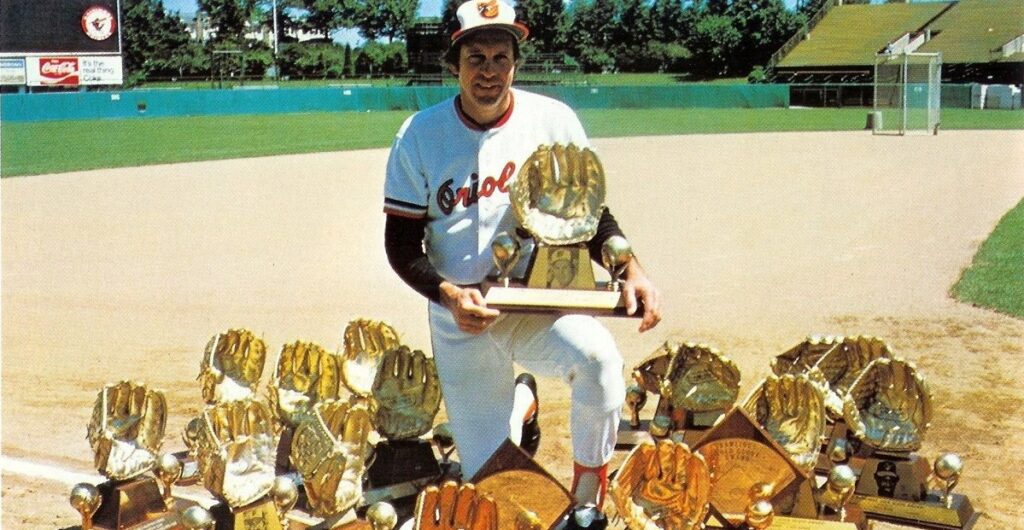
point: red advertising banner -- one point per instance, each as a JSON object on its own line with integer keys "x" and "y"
{"x": 58, "y": 71}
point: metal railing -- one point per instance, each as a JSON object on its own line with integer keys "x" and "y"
{"x": 799, "y": 36}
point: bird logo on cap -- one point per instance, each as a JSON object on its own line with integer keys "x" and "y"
{"x": 488, "y": 9}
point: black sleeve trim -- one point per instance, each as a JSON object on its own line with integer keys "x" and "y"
{"x": 607, "y": 227}
{"x": 403, "y": 243}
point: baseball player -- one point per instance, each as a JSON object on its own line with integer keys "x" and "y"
{"x": 446, "y": 196}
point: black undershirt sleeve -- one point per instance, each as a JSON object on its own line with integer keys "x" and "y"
{"x": 403, "y": 243}
{"x": 607, "y": 227}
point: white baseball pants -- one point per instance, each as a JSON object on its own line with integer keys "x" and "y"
{"x": 477, "y": 379}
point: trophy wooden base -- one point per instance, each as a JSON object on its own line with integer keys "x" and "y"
{"x": 929, "y": 513}
{"x": 515, "y": 481}
{"x": 781, "y": 522}
{"x": 136, "y": 504}
{"x": 599, "y": 301}
{"x": 261, "y": 514}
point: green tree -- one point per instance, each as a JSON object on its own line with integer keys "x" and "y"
{"x": 229, "y": 18}
{"x": 327, "y": 16}
{"x": 670, "y": 21}
{"x": 154, "y": 43}
{"x": 449, "y": 16}
{"x": 593, "y": 26}
{"x": 386, "y": 18}
{"x": 765, "y": 26}
{"x": 712, "y": 44}
{"x": 546, "y": 20}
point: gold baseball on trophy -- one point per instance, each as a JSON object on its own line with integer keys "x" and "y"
{"x": 761, "y": 491}
{"x": 505, "y": 248}
{"x": 197, "y": 518}
{"x": 284, "y": 494}
{"x": 660, "y": 426}
{"x": 615, "y": 255}
{"x": 382, "y": 516}
{"x": 838, "y": 490}
{"x": 168, "y": 470}
{"x": 85, "y": 498}
{"x": 948, "y": 468}
{"x": 636, "y": 398}
{"x": 760, "y": 514}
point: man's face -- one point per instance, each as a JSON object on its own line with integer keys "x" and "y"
{"x": 486, "y": 68}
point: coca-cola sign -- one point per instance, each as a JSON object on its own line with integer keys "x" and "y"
{"x": 58, "y": 71}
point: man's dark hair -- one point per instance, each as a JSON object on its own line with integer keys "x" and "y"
{"x": 451, "y": 55}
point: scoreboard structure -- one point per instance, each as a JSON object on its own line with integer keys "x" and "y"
{"x": 60, "y": 43}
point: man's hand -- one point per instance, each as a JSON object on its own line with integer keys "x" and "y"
{"x": 639, "y": 289}
{"x": 468, "y": 308}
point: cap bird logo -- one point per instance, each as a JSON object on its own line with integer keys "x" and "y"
{"x": 488, "y": 9}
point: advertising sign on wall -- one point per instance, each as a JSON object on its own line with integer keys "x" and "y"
{"x": 74, "y": 71}
{"x": 12, "y": 71}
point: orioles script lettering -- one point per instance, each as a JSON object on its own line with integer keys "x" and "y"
{"x": 448, "y": 197}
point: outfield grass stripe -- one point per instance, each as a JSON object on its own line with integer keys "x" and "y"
{"x": 55, "y": 147}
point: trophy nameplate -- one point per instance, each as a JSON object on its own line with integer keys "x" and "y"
{"x": 515, "y": 481}
{"x": 781, "y": 522}
{"x": 261, "y": 514}
{"x": 136, "y": 504}
{"x": 742, "y": 455}
{"x": 557, "y": 199}
{"x": 931, "y": 512}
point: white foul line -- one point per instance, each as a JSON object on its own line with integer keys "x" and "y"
{"x": 70, "y": 478}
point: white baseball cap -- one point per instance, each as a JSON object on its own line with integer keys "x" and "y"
{"x": 477, "y": 15}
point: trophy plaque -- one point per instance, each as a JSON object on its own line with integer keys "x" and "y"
{"x": 747, "y": 465}
{"x": 557, "y": 199}
{"x": 516, "y": 482}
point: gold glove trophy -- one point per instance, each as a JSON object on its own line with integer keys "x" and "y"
{"x": 236, "y": 446}
{"x": 888, "y": 409}
{"x": 126, "y": 433}
{"x": 696, "y": 384}
{"x": 662, "y": 486}
{"x": 558, "y": 198}
{"x": 406, "y": 396}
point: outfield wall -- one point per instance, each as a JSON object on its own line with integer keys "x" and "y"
{"x": 163, "y": 103}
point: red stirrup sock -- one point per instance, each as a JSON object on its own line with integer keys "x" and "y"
{"x": 590, "y": 484}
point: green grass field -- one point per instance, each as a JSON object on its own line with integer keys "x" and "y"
{"x": 995, "y": 279}
{"x": 54, "y": 147}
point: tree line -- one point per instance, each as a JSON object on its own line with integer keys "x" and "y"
{"x": 700, "y": 39}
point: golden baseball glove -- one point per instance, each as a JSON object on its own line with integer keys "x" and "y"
{"x": 365, "y": 344}
{"x": 236, "y": 447}
{"x": 801, "y": 358}
{"x": 792, "y": 409}
{"x": 653, "y": 369}
{"x": 232, "y": 366}
{"x": 329, "y": 450}
{"x": 559, "y": 193}
{"x": 662, "y": 487}
{"x": 454, "y": 507}
{"x": 127, "y": 429}
{"x": 843, "y": 363}
{"x": 305, "y": 375}
{"x": 889, "y": 407}
{"x": 407, "y": 394}
{"x": 700, "y": 379}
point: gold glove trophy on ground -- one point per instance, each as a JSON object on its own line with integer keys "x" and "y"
{"x": 695, "y": 383}
{"x": 888, "y": 409}
{"x": 126, "y": 433}
{"x": 558, "y": 198}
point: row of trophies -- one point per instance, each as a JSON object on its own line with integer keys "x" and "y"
{"x": 831, "y": 437}
{"x": 335, "y": 432}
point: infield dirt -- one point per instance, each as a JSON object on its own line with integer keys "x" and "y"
{"x": 756, "y": 241}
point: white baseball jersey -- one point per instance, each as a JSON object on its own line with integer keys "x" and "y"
{"x": 444, "y": 168}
